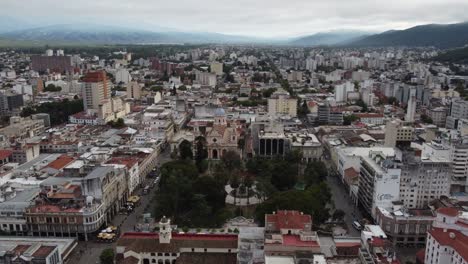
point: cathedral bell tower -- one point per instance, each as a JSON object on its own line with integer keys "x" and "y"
{"x": 165, "y": 231}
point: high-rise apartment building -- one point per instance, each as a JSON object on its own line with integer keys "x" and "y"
{"x": 96, "y": 91}
{"x": 379, "y": 181}
{"x": 397, "y": 132}
{"x": 217, "y": 67}
{"x": 134, "y": 90}
{"x": 458, "y": 110}
{"x": 51, "y": 63}
{"x": 342, "y": 90}
{"x": 411, "y": 110}
{"x": 281, "y": 103}
{"x": 425, "y": 178}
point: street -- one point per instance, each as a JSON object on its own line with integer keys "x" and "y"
{"x": 88, "y": 252}
{"x": 342, "y": 201}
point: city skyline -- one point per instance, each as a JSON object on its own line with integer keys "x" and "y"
{"x": 264, "y": 19}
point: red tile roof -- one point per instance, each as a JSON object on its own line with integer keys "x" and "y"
{"x": 350, "y": 174}
{"x": 97, "y": 76}
{"x": 46, "y": 209}
{"x": 5, "y": 153}
{"x": 420, "y": 256}
{"x": 61, "y": 162}
{"x": 20, "y": 249}
{"x": 43, "y": 251}
{"x": 127, "y": 161}
{"x": 311, "y": 103}
{"x": 176, "y": 236}
{"x": 294, "y": 240}
{"x": 148, "y": 242}
{"x": 448, "y": 211}
{"x": 459, "y": 242}
{"x": 378, "y": 242}
{"x": 460, "y": 223}
{"x": 285, "y": 219}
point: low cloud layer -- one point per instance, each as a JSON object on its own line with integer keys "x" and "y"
{"x": 262, "y": 18}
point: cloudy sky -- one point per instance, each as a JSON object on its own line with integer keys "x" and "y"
{"x": 261, "y": 18}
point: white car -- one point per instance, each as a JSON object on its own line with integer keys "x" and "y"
{"x": 357, "y": 225}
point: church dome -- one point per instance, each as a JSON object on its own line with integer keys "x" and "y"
{"x": 220, "y": 112}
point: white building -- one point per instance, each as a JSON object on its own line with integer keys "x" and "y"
{"x": 379, "y": 181}
{"x": 447, "y": 241}
{"x": 311, "y": 64}
{"x": 350, "y": 157}
{"x": 411, "y": 111}
{"x": 170, "y": 247}
{"x": 426, "y": 179}
{"x": 206, "y": 78}
{"x": 342, "y": 90}
{"x": 122, "y": 76}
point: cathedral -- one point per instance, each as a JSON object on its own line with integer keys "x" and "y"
{"x": 223, "y": 136}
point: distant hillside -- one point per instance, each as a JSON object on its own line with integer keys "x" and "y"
{"x": 327, "y": 38}
{"x": 8, "y": 24}
{"x": 442, "y": 36}
{"x": 454, "y": 56}
{"x": 92, "y": 34}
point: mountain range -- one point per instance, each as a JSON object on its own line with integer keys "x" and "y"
{"x": 442, "y": 36}
{"x": 97, "y": 34}
{"x": 328, "y": 38}
{"x": 438, "y": 35}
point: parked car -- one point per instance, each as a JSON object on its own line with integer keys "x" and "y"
{"x": 357, "y": 225}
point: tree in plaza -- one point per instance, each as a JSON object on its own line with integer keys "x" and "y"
{"x": 59, "y": 111}
{"x": 338, "y": 215}
{"x": 315, "y": 173}
{"x": 52, "y": 88}
{"x": 213, "y": 191}
{"x": 201, "y": 153}
{"x": 426, "y": 119}
{"x": 190, "y": 200}
{"x": 264, "y": 188}
{"x": 348, "y": 119}
{"x": 231, "y": 160}
{"x": 302, "y": 108}
{"x": 284, "y": 175}
{"x": 119, "y": 123}
{"x": 311, "y": 201}
{"x": 363, "y": 105}
{"x": 392, "y": 100}
{"x": 107, "y": 256}
{"x": 241, "y": 144}
{"x": 185, "y": 150}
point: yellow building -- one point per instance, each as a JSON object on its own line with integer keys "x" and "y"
{"x": 281, "y": 103}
